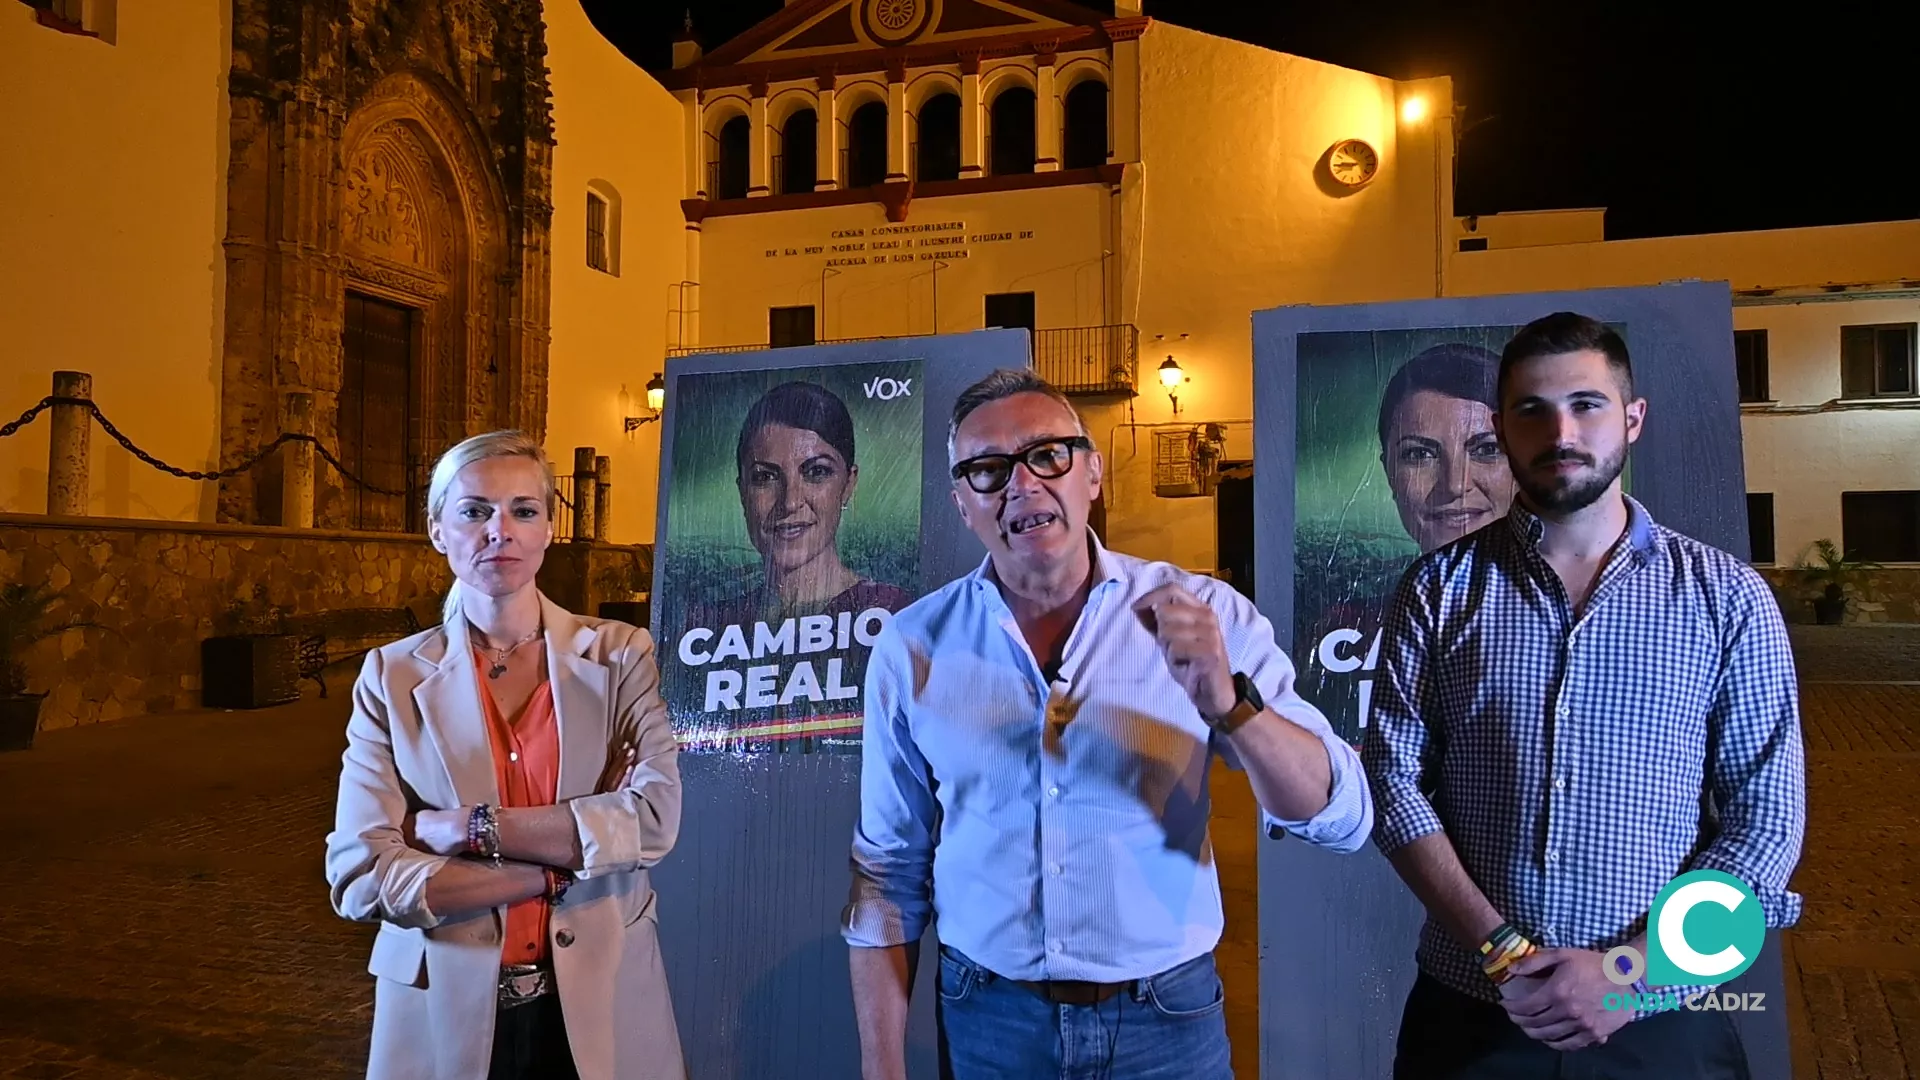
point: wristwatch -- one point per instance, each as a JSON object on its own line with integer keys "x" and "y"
{"x": 1247, "y": 704}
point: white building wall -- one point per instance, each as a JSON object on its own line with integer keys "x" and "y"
{"x": 1230, "y": 213}
{"x": 1807, "y": 459}
{"x": 1804, "y": 458}
{"x": 877, "y": 278}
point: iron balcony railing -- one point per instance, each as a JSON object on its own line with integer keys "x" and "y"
{"x": 689, "y": 350}
{"x": 1087, "y": 360}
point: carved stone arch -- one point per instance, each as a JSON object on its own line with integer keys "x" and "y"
{"x": 1078, "y": 70}
{"x": 403, "y": 157}
{"x": 424, "y": 225}
{"x": 783, "y": 103}
{"x": 926, "y": 84}
{"x": 998, "y": 78}
{"x": 856, "y": 92}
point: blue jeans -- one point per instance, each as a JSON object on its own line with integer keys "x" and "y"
{"x": 1172, "y": 1025}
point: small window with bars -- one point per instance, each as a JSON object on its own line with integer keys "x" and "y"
{"x": 1877, "y": 361}
{"x": 597, "y": 234}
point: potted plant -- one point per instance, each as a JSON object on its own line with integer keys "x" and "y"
{"x": 1832, "y": 571}
{"x": 251, "y": 662}
{"x": 23, "y": 622}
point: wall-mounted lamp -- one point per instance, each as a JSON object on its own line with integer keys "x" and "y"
{"x": 656, "y": 401}
{"x": 1171, "y": 377}
{"x": 1413, "y": 110}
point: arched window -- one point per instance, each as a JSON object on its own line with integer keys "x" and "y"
{"x": 867, "y": 145}
{"x": 794, "y": 171}
{"x": 938, "y": 152}
{"x": 731, "y": 171}
{"x": 1086, "y": 132}
{"x": 1012, "y": 131}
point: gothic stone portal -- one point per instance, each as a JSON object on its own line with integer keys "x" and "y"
{"x": 387, "y": 244}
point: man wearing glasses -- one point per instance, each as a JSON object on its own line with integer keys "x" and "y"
{"x": 1038, "y": 736}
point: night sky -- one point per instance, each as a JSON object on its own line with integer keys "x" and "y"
{"x": 1735, "y": 118}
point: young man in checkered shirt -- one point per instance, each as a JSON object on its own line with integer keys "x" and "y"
{"x": 1579, "y": 706}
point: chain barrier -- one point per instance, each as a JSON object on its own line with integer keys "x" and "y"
{"x": 27, "y": 417}
{"x": 192, "y": 474}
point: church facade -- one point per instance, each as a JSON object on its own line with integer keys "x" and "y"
{"x": 432, "y": 219}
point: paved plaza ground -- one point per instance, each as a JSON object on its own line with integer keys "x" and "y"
{"x": 163, "y": 914}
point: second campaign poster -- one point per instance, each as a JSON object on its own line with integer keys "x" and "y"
{"x": 1397, "y": 456}
{"x": 794, "y": 535}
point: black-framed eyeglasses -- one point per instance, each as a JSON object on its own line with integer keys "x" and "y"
{"x": 1047, "y": 459}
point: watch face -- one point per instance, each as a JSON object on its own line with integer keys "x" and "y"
{"x": 1248, "y": 692}
{"x": 1352, "y": 162}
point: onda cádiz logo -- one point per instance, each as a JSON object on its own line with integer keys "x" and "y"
{"x": 1705, "y": 928}
{"x": 887, "y": 389}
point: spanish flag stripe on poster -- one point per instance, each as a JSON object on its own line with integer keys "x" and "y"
{"x": 792, "y": 729}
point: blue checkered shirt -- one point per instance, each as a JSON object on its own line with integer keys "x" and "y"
{"x": 1579, "y": 763}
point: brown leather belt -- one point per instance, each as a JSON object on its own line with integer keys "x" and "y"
{"x": 1073, "y": 991}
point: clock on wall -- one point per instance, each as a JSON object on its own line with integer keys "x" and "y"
{"x": 1352, "y": 162}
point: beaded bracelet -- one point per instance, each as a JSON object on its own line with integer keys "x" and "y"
{"x": 483, "y": 833}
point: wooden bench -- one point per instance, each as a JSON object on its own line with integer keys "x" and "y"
{"x": 326, "y": 638}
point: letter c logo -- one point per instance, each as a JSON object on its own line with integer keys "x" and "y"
{"x": 1673, "y": 928}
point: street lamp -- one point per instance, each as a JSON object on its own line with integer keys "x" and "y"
{"x": 1171, "y": 377}
{"x": 656, "y": 401}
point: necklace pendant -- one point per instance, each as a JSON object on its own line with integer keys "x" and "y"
{"x": 496, "y": 671}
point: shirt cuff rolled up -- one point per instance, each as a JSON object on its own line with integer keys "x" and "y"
{"x": 1403, "y": 817}
{"x": 878, "y": 924}
{"x": 1342, "y": 825}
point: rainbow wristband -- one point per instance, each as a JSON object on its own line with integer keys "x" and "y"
{"x": 1502, "y": 949}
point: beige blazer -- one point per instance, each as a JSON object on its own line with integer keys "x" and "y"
{"x": 417, "y": 740}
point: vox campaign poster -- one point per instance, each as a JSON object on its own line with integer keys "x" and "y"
{"x": 1397, "y": 456}
{"x": 793, "y": 536}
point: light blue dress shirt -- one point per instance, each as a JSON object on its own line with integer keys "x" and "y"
{"x": 1058, "y": 831}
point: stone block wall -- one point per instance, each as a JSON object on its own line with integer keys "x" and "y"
{"x": 1888, "y": 595}
{"x": 580, "y": 577}
{"x": 156, "y": 590}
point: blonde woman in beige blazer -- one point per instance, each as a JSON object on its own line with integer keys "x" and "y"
{"x": 509, "y": 778}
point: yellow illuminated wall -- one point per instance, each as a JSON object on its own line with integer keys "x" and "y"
{"x": 1230, "y": 212}
{"x": 1224, "y": 211}
{"x": 112, "y": 199}
{"x": 1047, "y": 241}
{"x": 617, "y": 133}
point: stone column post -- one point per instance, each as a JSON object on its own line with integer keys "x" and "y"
{"x": 602, "y": 495}
{"x": 826, "y": 154}
{"x": 972, "y": 154}
{"x": 296, "y": 463}
{"x": 67, "y": 446}
{"x": 759, "y": 145}
{"x": 1046, "y": 119}
{"x": 897, "y": 149}
{"x": 584, "y": 483}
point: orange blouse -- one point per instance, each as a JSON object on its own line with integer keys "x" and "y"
{"x": 526, "y": 765}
